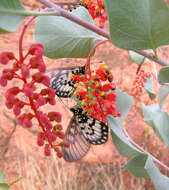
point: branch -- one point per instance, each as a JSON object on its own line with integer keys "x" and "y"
{"x": 96, "y": 29}
{"x": 75, "y": 19}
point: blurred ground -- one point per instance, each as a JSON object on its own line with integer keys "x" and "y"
{"x": 23, "y": 141}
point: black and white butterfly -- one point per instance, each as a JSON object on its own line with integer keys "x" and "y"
{"x": 81, "y": 133}
{"x": 61, "y": 81}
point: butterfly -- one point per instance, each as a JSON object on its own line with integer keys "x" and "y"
{"x": 83, "y": 131}
{"x": 61, "y": 81}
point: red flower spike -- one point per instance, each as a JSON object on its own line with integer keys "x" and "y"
{"x": 138, "y": 83}
{"x": 35, "y": 99}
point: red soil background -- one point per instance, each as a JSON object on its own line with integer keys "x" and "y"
{"x": 118, "y": 60}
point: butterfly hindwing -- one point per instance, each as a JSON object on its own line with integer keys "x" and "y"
{"x": 94, "y": 131}
{"x": 78, "y": 145}
{"x": 61, "y": 81}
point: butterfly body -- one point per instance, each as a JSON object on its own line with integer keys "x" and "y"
{"x": 61, "y": 81}
{"x": 81, "y": 133}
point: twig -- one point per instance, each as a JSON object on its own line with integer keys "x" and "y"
{"x": 66, "y": 14}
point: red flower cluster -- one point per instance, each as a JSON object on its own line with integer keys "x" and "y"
{"x": 97, "y": 94}
{"x": 138, "y": 83}
{"x": 97, "y": 10}
{"x": 49, "y": 123}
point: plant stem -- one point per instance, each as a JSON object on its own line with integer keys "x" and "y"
{"x": 155, "y": 159}
{"x": 21, "y": 38}
{"x": 87, "y": 65}
{"x": 15, "y": 181}
{"x": 66, "y": 14}
{"x": 144, "y": 151}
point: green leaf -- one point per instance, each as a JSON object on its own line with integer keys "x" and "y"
{"x": 124, "y": 102}
{"x": 136, "y": 165}
{"x": 137, "y": 58}
{"x": 160, "y": 181}
{"x": 158, "y": 120}
{"x": 162, "y": 95}
{"x": 138, "y": 24}
{"x": 163, "y": 76}
{"x": 12, "y": 12}
{"x": 143, "y": 166}
{"x": 2, "y": 177}
{"x": 4, "y": 186}
{"x": 119, "y": 139}
{"x": 148, "y": 85}
{"x": 10, "y": 20}
{"x": 63, "y": 38}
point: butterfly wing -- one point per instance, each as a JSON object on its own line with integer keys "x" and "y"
{"x": 78, "y": 145}
{"x": 94, "y": 131}
{"x": 61, "y": 81}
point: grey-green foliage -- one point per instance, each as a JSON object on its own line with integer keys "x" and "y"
{"x": 138, "y": 25}
{"x": 63, "y": 38}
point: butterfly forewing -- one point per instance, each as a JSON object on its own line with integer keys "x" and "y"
{"x": 61, "y": 81}
{"x": 78, "y": 145}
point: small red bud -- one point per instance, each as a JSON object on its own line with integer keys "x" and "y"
{"x": 3, "y": 81}
{"x": 59, "y": 154}
{"x": 47, "y": 151}
{"x": 27, "y": 90}
{"x": 55, "y": 116}
{"x": 5, "y": 57}
{"x": 16, "y": 110}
